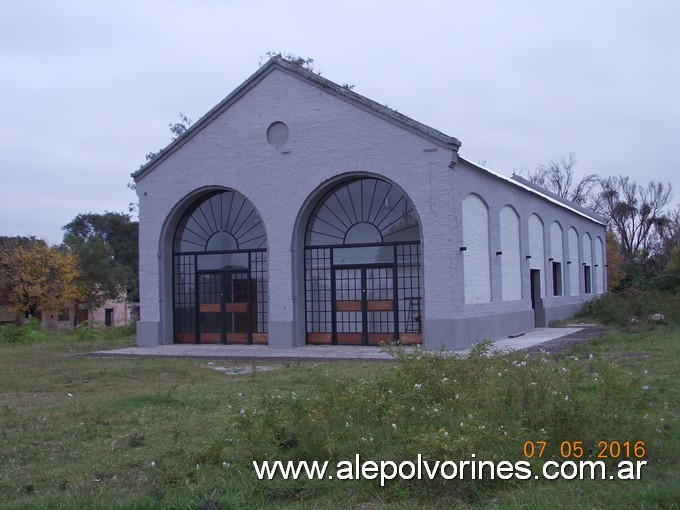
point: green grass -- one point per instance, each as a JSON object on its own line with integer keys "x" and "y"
{"x": 79, "y": 432}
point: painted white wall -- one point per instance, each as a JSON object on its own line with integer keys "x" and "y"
{"x": 556, "y": 249}
{"x": 537, "y": 248}
{"x": 574, "y": 267}
{"x": 477, "y": 279}
{"x": 587, "y": 258}
{"x": 599, "y": 272}
{"x": 556, "y": 241}
{"x": 587, "y": 249}
{"x": 511, "y": 282}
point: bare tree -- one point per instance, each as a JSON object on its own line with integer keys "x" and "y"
{"x": 559, "y": 177}
{"x": 635, "y": 213}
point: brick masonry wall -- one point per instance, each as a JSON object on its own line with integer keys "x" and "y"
{"x": 329, "y": 140}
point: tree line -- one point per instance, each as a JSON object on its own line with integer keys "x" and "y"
{"x": 97, "y": 261}
{"x": 643, "y": 240}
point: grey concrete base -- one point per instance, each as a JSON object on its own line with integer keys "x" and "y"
{"x": 559, "y": 313}
{"x": 459, "y": 334}
{"x": 281, "y": 335}
{"x": 148, "y": 334}
{"x": 260, "y": 353}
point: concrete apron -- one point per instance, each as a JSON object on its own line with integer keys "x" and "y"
{"x": 314, "y": 352}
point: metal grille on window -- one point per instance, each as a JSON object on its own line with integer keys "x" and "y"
{"x": 362, "y": 266}
{"x": 220, "y": 272}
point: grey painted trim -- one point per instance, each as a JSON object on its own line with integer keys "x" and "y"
{"x": 281, "y": 335}
{"x": 148, "y": 334}
{"x": 324, "y": 84}
{"x": 561, "y": 312}
{"x": 458, "y": 334}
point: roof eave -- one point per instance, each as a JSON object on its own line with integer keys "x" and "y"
{"x": 563, "y": 203}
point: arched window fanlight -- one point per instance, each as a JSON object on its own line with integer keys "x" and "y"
{"x": 363, "y": 211}
{"x": 224, "y": 221}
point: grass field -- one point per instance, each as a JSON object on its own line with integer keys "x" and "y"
{"x": 81, "y": 432}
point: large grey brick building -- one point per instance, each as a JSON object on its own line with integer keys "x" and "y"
{"x": 297, "y": 211}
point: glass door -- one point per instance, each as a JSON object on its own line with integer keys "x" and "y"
{"x": 365, "y": 305}
{"x": 225, "y": 307}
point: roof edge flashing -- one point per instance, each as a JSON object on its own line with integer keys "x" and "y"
{"x": 308, "y": 75}
{"x": 542, "y": 192}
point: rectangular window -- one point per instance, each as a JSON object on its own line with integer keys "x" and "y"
{"x": 108, "y": 317}
{"x": 588, "y": 281}
{"x": 64, "y": 315}
{"x": 557, "y": 278}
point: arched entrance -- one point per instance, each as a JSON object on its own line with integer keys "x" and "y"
{"x": 220, "y": 272}
{"x": 363, "y": 279}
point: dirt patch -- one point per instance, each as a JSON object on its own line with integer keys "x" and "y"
{"x": 239, "y": 369}
{"x": 565, "y": 343}
{"x": 628, "y": 354}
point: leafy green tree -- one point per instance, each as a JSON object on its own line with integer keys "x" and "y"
{"x": 674, "y": 264}
{"x": 616, "y": 262}
{"x": 106, "y": 246}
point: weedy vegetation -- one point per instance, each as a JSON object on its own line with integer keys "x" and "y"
{"x": 130, "y": 433}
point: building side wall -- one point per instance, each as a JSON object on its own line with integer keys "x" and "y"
{"x": 499, "y": 317}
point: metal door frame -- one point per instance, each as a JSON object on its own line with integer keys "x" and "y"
{"x": 364, "y": 299}
{"x": 226, "y": 282}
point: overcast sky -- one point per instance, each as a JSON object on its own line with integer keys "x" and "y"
{"x": 87, "y": 88}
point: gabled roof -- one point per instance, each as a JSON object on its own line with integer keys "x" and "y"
{"x": 328, "y": 86}
{"x": 346, "y": 94}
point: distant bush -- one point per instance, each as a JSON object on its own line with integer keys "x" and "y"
{"x": 33, "y": 331}
{"x": 129, "y": 329}
{"x": 632, "y": 306}
{"x": 29, "y": 332}
{"x": 87, "y": 330}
